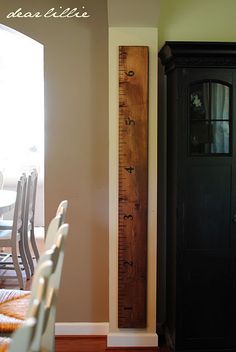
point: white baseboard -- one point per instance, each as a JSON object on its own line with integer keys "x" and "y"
{"x": 120, "y": 339}
{"x": 132, "y": 340}
{"x": 82, "y": 328}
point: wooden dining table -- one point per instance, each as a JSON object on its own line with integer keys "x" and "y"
{"x": 7, "y": 200}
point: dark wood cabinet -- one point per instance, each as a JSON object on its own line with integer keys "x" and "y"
{"x": 198, "y": 204}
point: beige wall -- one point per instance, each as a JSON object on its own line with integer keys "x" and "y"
{"x": 76, "y": 145}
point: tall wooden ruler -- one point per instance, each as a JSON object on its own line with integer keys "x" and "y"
{"x": 133, "y": 183}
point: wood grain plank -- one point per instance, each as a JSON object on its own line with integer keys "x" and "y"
{"x": 133, "y": 183}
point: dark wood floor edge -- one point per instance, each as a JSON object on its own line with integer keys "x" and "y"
{"x": 104, "y": 338}
{"x": 152, "y": 349}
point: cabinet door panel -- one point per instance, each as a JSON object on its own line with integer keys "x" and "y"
{"x": 207, "y": 199}
{"x": 204, "y": 298}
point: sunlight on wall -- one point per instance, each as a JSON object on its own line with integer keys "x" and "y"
{"x": 21, "y": 103}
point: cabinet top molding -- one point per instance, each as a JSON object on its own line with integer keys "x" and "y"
{"x": 198, "y": 54}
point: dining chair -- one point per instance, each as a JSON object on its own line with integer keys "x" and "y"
{"x": 55, "y": 242}
{"x": 56, "y": 222}
{"x": 1, "y": 180}
{"x": 12, "y": 237}
{"x": 37, "y": 307}
{"x": 29, "y": 213}
{"x": 13, "y": 303}
{"x": 44, "y": 335}
{"x": 22, "y": 339}
{"x": 62, "y": 209}
{"x": 44, "y": 289}
{"x": 45, "y": 338}
{"x": 1, "y": 185}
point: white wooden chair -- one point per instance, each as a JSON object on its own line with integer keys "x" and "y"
{"x": 45, "y": 338}
{"x": 11, "y": 236}
{"x": 56, "y": 222}
{"x": 56, "y": 236}
{"x": 24, "y": 336}
{"x": 55, "y": 240}
{"x": 29, "y": 212}
{"x": 1, "y": 187}
{"x": 62, "y": 209}
{"x": 1, "y": 180}
{"x": 37, "y": 332}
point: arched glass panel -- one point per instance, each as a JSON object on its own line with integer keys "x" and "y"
{"x": 209, "y": 118}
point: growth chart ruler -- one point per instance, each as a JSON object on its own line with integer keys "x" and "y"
{"x": 133, "y": 186}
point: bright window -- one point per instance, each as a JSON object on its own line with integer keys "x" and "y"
{"x": 21, "y": 103}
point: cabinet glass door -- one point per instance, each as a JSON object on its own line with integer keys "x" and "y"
{"x": 209, "y": 118}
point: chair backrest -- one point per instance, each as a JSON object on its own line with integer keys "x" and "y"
{"x": 24, "y": 336}
{"x": 31, "y": 191}
{"x": 18, "y": 216}
{"x": 1, "y": 180}
{"x": 38, "y": 330}
{"x": 51, "y": 234}
{"x": 45, "y": 328}
{"x": 55, "y": 224}
{"x": 61, "y": 210}
{"x": 48, "y": 338}
{"x": 39, "y": 284}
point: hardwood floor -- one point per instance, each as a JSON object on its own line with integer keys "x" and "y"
{"x": 76, "y": 343}
{"x": 95, "y": 344}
